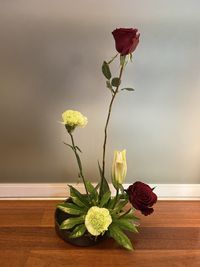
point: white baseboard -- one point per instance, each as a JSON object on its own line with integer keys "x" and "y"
{"x": 61, "y": 191}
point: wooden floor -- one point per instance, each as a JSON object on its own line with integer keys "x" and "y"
{"x": 170, "y": 237}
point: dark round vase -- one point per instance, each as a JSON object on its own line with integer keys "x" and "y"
{"x": 84, "y": 241}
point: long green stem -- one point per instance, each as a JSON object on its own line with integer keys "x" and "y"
{"x": 107, "y": 121}
{"x": 78, "y": 161}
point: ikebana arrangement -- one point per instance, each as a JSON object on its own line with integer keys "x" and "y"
{"x": 87, "y": 218}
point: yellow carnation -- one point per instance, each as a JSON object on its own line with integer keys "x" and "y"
{"x": 97, "y": 220}
{"x": 72, "y": 119}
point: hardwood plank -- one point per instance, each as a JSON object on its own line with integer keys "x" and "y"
{"x": 149, "y": 238}
{"x": 34, "y": 213}
{"x": 169, "y": 237}
{"x": 12, "y": 258}
{"x": 23, "y": 213}
{"x": 173, "y": 214}
{"x": 116, "y": 258}
{"x": 167, "y": 214}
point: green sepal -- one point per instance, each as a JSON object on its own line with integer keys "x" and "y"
{"x": 78, "y": 231}
{"x": 106, "y": 70}
{"x": 71, "y": 222}
{"x": 105, "y": 199}
{"x": 115, "y": 82}
{"x": 126, "y": 224}
{"x": 131, "y": 57}
{"x": 82, "y": 198}
{"x": 122, "y": 60}
{"x": 116, "y": 233}
{"x": 71, "y": 208}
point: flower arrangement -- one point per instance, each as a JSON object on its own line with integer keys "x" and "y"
{"x": 96, "y": 212}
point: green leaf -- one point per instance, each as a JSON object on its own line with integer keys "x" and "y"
{"x": 71, "y": 208}
{"x": 128, "y": 89}
{"x": 119, "y": 206}
{"x": 115, "y": 82}
{"x": 92, "y": 190}
{"x": 126, "y": 224}
{"x": 71, "y": 222}
{"x": 109, "y": 86}
{"x": 78, "y": 149}
{"x": 104, "y": 187}
{"x": 129, "y": 215}
{"x": 77, "y": 201}
{"x": 113, "y": 201}
{"x": 90, "y": 187}
{"x": 105, "y": 198}
{"x": 69, "y": 145}
{"x": 117, "y": 234}
{"x": 106, "y": 70}
{"x": 78, "y": 231}
{"x": 82, "y": 198}
{"x": 97, "y": 186}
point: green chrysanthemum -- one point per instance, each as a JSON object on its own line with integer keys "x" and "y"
{"x": 97, "y": 220}
{"x": 73, "y": 118}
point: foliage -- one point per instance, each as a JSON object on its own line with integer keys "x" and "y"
{"x": 97, "y": 212}
{"x": 79, "y": 204}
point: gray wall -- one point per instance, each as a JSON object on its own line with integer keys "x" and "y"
{"x": 50, "y": 59}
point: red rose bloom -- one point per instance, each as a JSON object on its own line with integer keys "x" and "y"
{"x": 142, "y": 197}
{"x": 126, "y": 40}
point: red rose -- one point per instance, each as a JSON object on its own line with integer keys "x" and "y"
{"x": 142, "y": 197}
{"x": 126, "y": 40}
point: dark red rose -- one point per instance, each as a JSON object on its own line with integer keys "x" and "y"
{"x": 142, "y": 197}
{"x": 126, "y": 40}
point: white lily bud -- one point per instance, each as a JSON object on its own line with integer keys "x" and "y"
{"x": 119, "y": 168}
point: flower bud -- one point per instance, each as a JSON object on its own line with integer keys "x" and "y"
{"x": 119, "y": 168}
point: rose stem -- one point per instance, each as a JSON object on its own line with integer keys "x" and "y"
{"x": 107, "y": 120}
{"x": 78, "y": 161}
